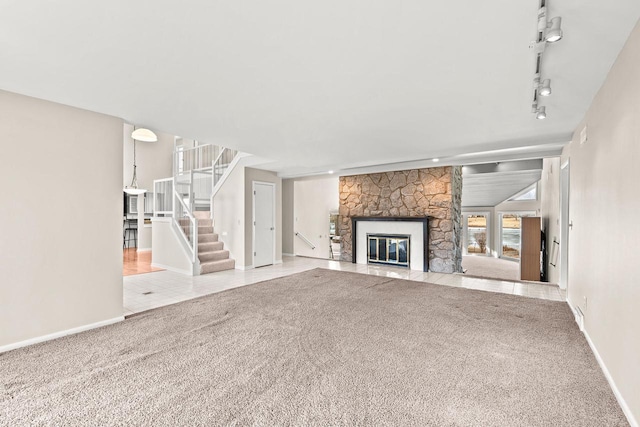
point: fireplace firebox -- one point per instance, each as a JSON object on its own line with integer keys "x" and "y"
{"x": 389, "y": 249}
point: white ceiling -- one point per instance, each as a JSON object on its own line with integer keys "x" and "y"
{"x": 318, "y": 85}
{"x": 492, "y": 183}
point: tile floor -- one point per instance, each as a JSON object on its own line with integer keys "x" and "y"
{"x": 146, "y": 291}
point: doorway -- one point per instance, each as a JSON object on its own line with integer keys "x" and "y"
{"x": 264, "y": 214}
{"x": 565, "y": 224}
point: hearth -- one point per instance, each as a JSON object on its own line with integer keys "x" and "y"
{"x": 413, "y": 231}
{"x": 388, "y": 249}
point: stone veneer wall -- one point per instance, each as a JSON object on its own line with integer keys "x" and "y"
{"x": 433, "y": 192}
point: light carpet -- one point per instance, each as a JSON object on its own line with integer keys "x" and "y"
{"x": 319, "y": 348}
{"x": 490, "y": 267}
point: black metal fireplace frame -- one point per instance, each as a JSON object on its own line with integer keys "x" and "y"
{"x": 425, "y": 233}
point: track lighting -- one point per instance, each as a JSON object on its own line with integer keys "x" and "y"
{"x": 553, "y": 32}
{"x": 549, "y": 31}
{"x": 545, "y": 88}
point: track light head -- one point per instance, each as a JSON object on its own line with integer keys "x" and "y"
{"x": 545, "y": 88}
{"x": 554, "y": 30}
{"x": 541, "y": 114}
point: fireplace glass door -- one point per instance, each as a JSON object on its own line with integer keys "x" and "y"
{"x": 388, "y": 249}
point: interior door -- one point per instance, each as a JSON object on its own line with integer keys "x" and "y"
{"x": 263, "y": 224}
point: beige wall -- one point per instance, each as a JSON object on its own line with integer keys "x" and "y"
{"x": 604, "y": 205}
{"x": 287, "y": 216}
{"x": 252, "y": 175}
{"x": 313, "y": 202}
{"x": 550, "y": 212}
{"x": 60, "y": 218}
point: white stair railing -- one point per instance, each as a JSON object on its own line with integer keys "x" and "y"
{"x": 186, "y": 223}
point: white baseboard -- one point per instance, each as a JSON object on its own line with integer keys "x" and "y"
{"x": 60, "y": 334}
{"x": 284, "y": 254}
{"x": 244, "y": 267}
{"x": 623, "y": 404}
{"x": 278, "y": 261}
{"x": 175, "y": 270}
{"x": 144, "y": 250}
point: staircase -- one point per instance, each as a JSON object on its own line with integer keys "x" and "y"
{"x": 211, "y": 253}
{"x": 187, "y": 197}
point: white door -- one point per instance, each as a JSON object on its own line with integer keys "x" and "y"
{"x": 564, "y": 227}
{"x": 263, "y": 224}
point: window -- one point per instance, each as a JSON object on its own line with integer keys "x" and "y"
{"x": 476, "y": 233}
{"x": 530, "y": 193}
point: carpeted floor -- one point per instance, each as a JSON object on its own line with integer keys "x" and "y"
{"x": 495, "y": 268}
{"x": 319, "y": 348}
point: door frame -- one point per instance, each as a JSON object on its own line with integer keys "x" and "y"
{"x": 253, "y": 219}
{"x": 565, "y": 221}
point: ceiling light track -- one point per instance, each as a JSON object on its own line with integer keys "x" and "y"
{"x": 549, "y": 31}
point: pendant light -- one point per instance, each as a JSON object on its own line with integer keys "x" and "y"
{"x": 144, "y": 135}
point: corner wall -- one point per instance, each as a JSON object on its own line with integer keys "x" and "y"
{"x": 60, "y": 218}
{"x": 604, "y": 278}
{"x": 434, "y": 192}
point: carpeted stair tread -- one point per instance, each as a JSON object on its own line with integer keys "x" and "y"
{"x": 213, "y": 255}
{"x": 210, "y": 247}
{"x": 205, "y": 230}
{"x": 207, "y": 238}
{"x": 202, "y": 214}
{"x": 215, "y": 266}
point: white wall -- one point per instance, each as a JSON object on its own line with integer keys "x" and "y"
{"x": 604, "y": 205}
{"x": 60, "y": 218}
{"x": 251, "y": 175}
{"x": 169, "y": 252}
{"x": 550, "y": 211}
{"x": 228, "y": 214}
{"x": 313, "y": 200}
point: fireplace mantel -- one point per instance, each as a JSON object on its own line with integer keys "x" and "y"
{"x": 422, "y": 219}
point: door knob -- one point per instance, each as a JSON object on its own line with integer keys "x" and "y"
{"x": 271, "y": 229}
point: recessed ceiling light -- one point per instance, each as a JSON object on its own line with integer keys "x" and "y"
{"x": 435, "y": 160}
{"x": 330, "y": 172}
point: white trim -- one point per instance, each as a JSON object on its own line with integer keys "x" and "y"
{"x": 285, "y": 254}
{"x": 278, "y": 261}
{"x": 244, "y": 267}
{"x": 144, "y": 250}
{"x": 175, "y": 270}
{"x": 616, "y": 392}
{"x": 253, "y": 208}
{"x": 61, "y": 334}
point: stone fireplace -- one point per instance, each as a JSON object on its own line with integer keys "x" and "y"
{"x": 433, "y": 193}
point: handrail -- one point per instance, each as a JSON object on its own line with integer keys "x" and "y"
{"x": 193, "y": 244}
{"x": 219, "y": 155}
{"x": 304, "y": 239}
